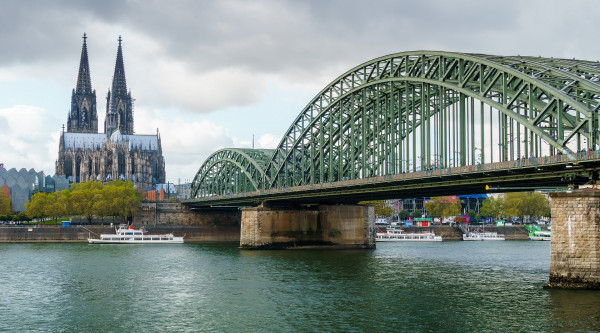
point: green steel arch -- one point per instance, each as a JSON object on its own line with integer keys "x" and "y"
{"x": 232, "y": 171}
{"x": 420, "y": 110}
{"x": 416, "y": 110}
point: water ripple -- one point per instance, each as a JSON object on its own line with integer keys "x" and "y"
{"x": 400, "y": 287}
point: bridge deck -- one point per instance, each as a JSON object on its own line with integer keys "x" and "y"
{"x": 525, "y": 174}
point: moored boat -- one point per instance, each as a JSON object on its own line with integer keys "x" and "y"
{"x": 481, "y": 236}
{"x": 398, "y": 235}
{"x": 540, "y": 235}
{"x": 129, "y": 235}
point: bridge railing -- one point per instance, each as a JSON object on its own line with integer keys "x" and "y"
{"x": 506, "y": 165}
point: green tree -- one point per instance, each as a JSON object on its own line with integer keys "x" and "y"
{"x": 83, "y": 197}
{"x": 125, "y": 201}
{"x": 55, "y": 205}
{"x": 403, "y": 215}
{"x": 21, "y": 216}
{"x": 443, "y": 207}
{"x": 529, "y": 204}
{"x": 416, "y": 214}
{"x": 36, "y": 206}
{"x": 118, "y": 199}
{"x": 65, "y": 202}
{"x": 492, "y": 207}
{"x": 101, "y": 204}
{"x": 4, "y": 203}
{"x": 472, "y": 215}
{"x": 381, "y": 209}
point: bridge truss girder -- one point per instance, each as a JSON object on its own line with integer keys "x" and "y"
{"x": 385, "y": 116}
{"x": 422, "y": 110}
{"x": 231, "y": 171}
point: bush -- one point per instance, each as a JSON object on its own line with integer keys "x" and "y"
{"x": 21, "y": 216}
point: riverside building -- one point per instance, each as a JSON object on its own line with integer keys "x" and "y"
{"x": 22, "y": 184}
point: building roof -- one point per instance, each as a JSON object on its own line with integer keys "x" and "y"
{"x": 96, "y": 140}
{"x": 83, "y": 140}
{"x": 145, "y": 142}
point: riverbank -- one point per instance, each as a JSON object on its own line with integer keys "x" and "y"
{"x": 80, "y": 234}
{"x": 454, "y": 234}
{"x": 193, "y": 234}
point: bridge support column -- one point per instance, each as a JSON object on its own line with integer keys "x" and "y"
{"x": 575, "y": 248}
{"x": 347, "y": 226}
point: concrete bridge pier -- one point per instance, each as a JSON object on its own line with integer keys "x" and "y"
{"x": 575, "y": 248}
{"x": 340, "y": 226}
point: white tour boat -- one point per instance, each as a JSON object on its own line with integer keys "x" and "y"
{"x": 480, "y": 236}
{"x": 398, "y": 235}
{"x": 540, "y": 235}
{"x": 129, "y": 235}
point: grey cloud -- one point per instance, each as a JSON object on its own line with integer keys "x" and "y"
{"x": 266, "y": 36}
{"x": 291, "y": 39}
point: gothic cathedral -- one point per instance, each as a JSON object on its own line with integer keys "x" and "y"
{"x": 85, "y": 154}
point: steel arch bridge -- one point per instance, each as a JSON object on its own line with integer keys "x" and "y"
{"x": 421, "y": 111}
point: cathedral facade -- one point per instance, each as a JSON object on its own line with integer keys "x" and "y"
{"x": 117, "y": 153}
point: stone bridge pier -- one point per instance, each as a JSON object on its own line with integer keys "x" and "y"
{"x": 575, "y": 247}
{"x": 340, "y": 226}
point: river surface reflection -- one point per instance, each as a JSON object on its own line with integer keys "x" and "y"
{"x": 398, "y": 287}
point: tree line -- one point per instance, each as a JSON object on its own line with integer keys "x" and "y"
{"x": 92, "y": 199}
{"x": 443, "y": 207}
{"x": 518, "y": 204}
{"x": 515, "y": 204}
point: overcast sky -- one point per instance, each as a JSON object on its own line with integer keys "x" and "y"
{"x": 213, "y": 74}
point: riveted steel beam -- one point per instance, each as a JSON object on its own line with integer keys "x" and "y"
{"x": 415, "y": 111}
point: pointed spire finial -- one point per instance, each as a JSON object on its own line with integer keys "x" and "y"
{"x": 118, "y": 94}
{"x": 84, "y": 81}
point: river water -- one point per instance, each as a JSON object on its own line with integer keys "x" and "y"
{"x": 398, "y": 287}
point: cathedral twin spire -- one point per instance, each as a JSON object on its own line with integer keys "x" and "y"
{"x": 84, "y": 80}
{"x": 83, "y": 116}
{"x": 119, "y": 104}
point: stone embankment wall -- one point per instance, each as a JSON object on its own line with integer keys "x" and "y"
{"x": 48, "y": 234}
{"x": 209, "y": 233}
{"x": 80, "y": 234}
{"x": 515, "y": 232}
{"x": 174, "y": 213}
{"x": 157, "y": 218}
{"x": 575, "y": 247}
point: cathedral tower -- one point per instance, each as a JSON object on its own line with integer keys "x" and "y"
{"x": 85, "y": 154}
{"x": 83, "y": 117}
{"x": 119, "y": 104}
